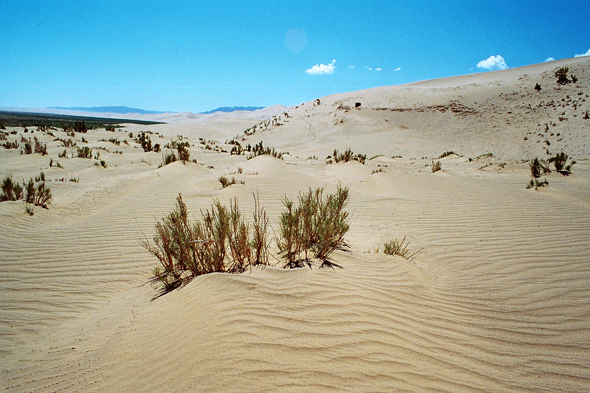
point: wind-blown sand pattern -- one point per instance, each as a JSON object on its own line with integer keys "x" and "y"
{"x": 498, "y": 299}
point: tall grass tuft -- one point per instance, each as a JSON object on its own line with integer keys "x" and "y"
{"x": 399, "y": 248}
{"x": 435, "y": 166}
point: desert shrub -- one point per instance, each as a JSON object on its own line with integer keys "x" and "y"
{"x": 225, "y": 182}
{"x": 13, "y": 191}
{"x": 29, "y": 208}
{"x": 347, "y": 156}
{"x": 168, "y": 158}
{"x": 40, "y": 148}
{"x": 10, "y": 145}
{"x": 144, "y": 140}
{"x": 435, "y": 166}
{"x": 561, "y": 164}
{"x": 236, "y": 149}
{"x": 8, "y": 192}
{"x": 400, "y": 248}
{"x": 561, "y": 75}
{"x": 27, "y": 147}
{"x": 103, "y": 163}
{"x": 84, "y": 152}
{"x": 260, "y": 150}
{"x": 188, "y": 249}
{"x": 536, "y": 183}
{"x": 574, "y": 79}
{"x": 183, "y": 151}
{"x": 315, "y": 225}
{"x": 63, "y": 154}
{"x": 538, "y": 168}
{"x": 259, "y": 239}
{"x": 538, "y": 87}
{"x": 447, "y": 153}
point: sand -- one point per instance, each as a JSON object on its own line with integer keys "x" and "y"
{"x": 497, "y": 300}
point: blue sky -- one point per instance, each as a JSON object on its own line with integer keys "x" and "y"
{"x": 198, "y": 55}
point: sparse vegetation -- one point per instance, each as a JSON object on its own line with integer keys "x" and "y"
{"x": 260, "y": 150}
{"x": 538, "y": 87}
{"x": 225, "y": 182}
{"x": 346, "y": 156}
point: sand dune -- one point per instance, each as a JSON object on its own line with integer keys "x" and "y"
{"x": 497, "y": 300}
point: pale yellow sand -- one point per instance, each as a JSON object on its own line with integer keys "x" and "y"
{"x": 498, "y": 300}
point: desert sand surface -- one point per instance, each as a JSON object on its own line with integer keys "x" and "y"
{"x": 496, "y": 300}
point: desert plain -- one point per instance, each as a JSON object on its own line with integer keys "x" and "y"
{"x": 497, "y": 298}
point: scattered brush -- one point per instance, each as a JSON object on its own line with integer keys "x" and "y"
{"x": 346, "y": 156}
{"x": 447, "y": 153}
{"x": 10, "y": 145}
{"x": 399, "y": 248}
{"x": 36, "y": 194}
{"x": 260, "y": 150}
{"x": 225, "y": 182}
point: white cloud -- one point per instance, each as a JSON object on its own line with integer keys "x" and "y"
{"x": 549, "y": 59}
{"x": 378, "y": 69}
{"x": 319, "y": 69}
{"x": 584, "y": 54}
{"x": 351, "y": 66}
{"x": 493, "y": 63}
{"x": 369, "y": 68}
{"x": 398, "y": 69}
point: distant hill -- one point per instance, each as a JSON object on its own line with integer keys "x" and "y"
{"x": 233, "y": 109}
{"x": 108, "y": 109}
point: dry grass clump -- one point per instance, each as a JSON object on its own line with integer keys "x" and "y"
{"x": 84, "y": 152}
{"x": 317, "y": 226}
{"x": 538, "y": 168}
{"x": 34, "y": 192}
{"x": 260, "y": 150}
{"x": 225, "y": 182}
{"x": 346, "y": 156}
{"x": 399, "y": 248}
{"x": 221, "y": 241}
{"x": 561, "y": 164}
{"x": 435, "y": 166}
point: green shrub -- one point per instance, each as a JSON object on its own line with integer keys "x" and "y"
{"x": 316, "y": 225}
{"x": 188, "y": 249}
